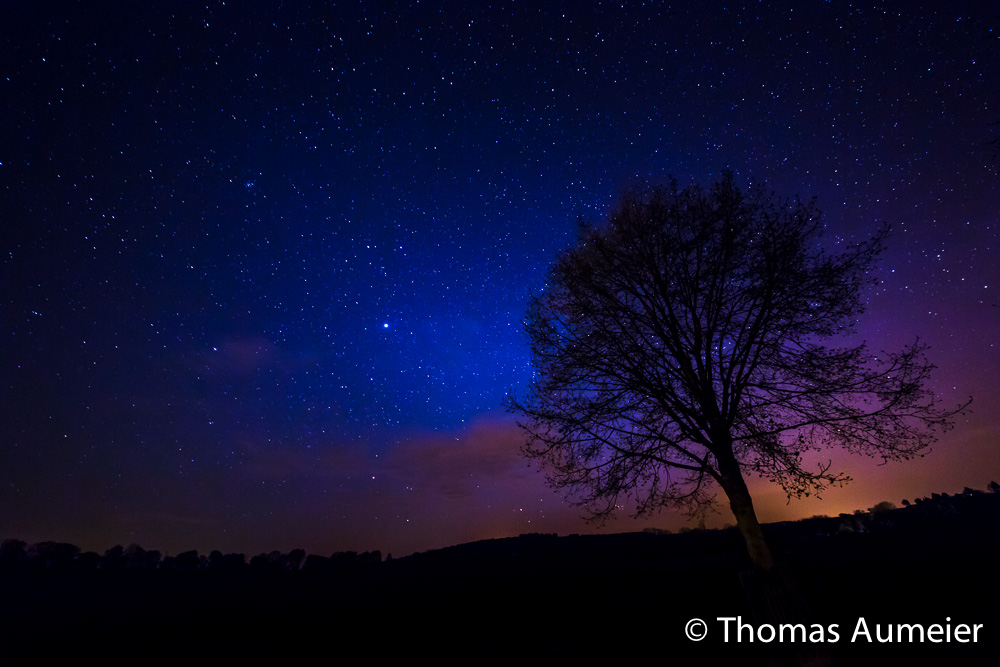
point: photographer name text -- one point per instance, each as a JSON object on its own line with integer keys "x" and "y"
{"x": 735, "y": 629}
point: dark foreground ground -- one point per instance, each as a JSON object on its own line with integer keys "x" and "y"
{"x": 541, "y": 599}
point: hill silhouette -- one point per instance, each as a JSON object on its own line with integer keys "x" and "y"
{"x": 532, "y": 599}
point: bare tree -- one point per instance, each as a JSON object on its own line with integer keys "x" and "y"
{"x": 679, "y": 347}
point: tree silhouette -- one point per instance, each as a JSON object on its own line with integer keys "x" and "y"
{"x": 678, "y": 348}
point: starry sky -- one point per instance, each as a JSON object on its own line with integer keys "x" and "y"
{"x": 263, "y": 265}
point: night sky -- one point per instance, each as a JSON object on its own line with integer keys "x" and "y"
{"x": 263, "y": 265}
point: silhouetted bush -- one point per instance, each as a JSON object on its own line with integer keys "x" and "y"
{"x": 53, "y": 556}
{"x": 113, "y": 559}
{"x": 293, "y": 561}
{"x": 137, "y": 558}
{"x": 188, "y": 561}
{"x": 13, "y": 552}
{"x": 318, "y": 564}
{"x": 89, "y": 561}
{"x": 345, "y": 557}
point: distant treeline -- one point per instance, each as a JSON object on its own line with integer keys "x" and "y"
{"x": 63, "y": 557}
{"x": 17, "y": 556}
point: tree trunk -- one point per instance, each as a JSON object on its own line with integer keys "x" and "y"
{"x": 771, "y": 591}
{"x": 742, "y": 506}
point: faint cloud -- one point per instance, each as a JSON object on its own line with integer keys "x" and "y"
{"x": 245, "y": 356}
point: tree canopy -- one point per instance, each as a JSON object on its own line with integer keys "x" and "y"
{"x": 682, "y": 344}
